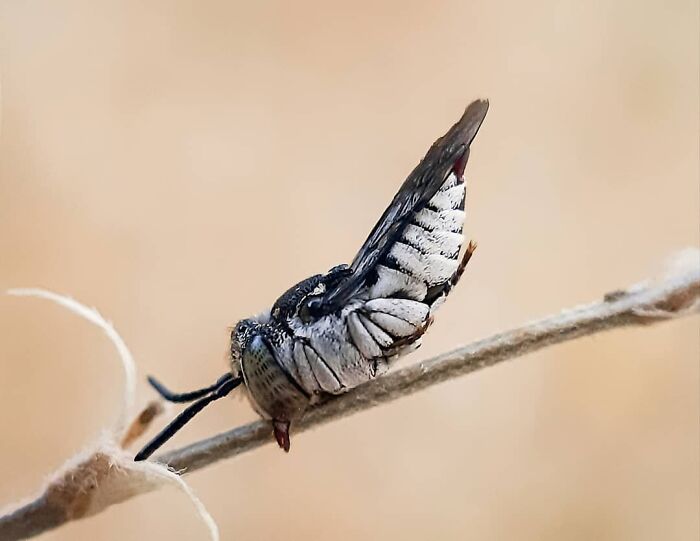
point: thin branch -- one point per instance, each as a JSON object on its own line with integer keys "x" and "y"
{"x": 651, "y": 304}
{"x": 674, "y": 296}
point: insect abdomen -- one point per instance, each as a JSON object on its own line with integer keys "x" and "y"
{"x": 426, "y": 254}
{"x": 343, "y": 350}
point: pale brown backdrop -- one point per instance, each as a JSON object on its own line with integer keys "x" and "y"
{"x": 179, "y": 164}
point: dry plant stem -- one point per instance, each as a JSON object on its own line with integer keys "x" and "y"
{"x": 142, "y": 422}
{"x": 32, "y": 519}
{"x": 652, "y": 304}
{"x": 675, "y": 296}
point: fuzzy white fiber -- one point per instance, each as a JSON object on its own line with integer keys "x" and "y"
{"x": 105, "y": 474}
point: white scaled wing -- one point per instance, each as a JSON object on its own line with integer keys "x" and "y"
{"x": 345, "y": 331}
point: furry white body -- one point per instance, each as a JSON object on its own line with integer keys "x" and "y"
{"x": 332, "y": 332}
{"x": 385, "y": 320}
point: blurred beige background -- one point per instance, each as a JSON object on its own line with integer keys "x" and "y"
{"x": 178, "y": 165}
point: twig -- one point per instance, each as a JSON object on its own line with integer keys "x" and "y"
{"x": 645, "y": 306}
{"x": 674, "y": 296}
{"x": 142, "y": 422}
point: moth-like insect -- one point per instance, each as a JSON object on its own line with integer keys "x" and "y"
{"x": 335, "y": 331}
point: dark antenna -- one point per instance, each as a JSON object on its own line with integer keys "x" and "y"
{"x": 190, "y": 396}
{"x": 204, "y": 397}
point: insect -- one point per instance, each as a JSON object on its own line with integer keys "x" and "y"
{"x": 334, "y": 331}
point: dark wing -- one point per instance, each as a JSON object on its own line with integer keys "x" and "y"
{"x": 449, "y": 153}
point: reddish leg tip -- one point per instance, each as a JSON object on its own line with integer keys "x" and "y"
{"x": 281, "y": 430}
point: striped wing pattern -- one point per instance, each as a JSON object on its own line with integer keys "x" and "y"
{"x": 387, "y": 317}
{"x": 380, "y": 309}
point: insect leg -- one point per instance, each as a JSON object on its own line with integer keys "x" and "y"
{"x": 463, "y": 264}
{"x": 190, "y": 396}
{"x": 181, "y": 420}
{"x": 281, "y": 431}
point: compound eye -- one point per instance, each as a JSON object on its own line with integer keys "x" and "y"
{"x": 235, "y": 348}
{"x": 310, "y": 309}
{"x": 240, "y": 336}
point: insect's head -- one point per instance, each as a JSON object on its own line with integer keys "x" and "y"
{"x": 240, "y": 338}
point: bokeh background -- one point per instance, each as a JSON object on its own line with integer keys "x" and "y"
{"x": 180, "y": 164}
